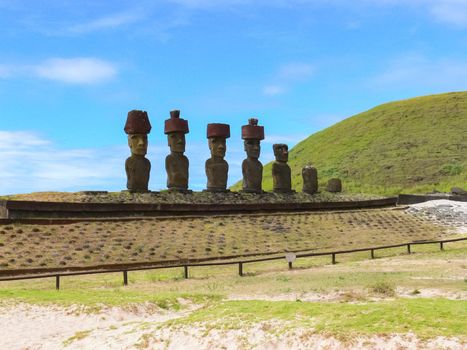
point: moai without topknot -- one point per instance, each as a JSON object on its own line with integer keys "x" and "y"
{"x": 310, "y": 179}
{"x": 281, "y": 174}
{"x": 176, "y": 163}
{"x": 334, "y": 185}
{"x": 216, "y": 167}
{"x": 252, "y": 169}
{"x": 137, "y": 167}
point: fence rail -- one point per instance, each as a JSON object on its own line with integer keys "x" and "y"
{"x": 185, "y": 266}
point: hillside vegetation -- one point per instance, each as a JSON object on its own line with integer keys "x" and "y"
{"x": 414, "y": 145}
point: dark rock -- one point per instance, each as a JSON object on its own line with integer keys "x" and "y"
{"x": 458, "y": 191}
{"x": 334, "y": 185}
{"x": 310, "y": 179}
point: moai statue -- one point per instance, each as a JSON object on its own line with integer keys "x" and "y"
{"x": 216, "y": 167}
{"x": 137, "y": 167}
{"x": 176, "y": 163}
{"x": 281, "y": 174}
{"x": 310, "y": 179}
{"x": 334, "y": 185}
{"x": 252, "y": 169}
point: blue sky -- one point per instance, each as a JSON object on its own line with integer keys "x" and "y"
{"x": 71, "y": 70}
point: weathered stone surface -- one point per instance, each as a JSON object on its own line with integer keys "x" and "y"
{"x": 216, "y": 167}
{"x": 310, "y": 179}
{"x": 137, "y": 171}
{"x": 281, "y": 173}
{"x": 137, "y": 122}
{"x": 176, "y": 163}
{"x": 458, "y": 191}
{"x": 334, "y": 185}
{"x": 137, "y": 167}
{"x": 252, "y": 169}
{"x": 252, "y": 131}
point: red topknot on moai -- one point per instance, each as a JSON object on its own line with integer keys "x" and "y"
{"x": 252, "y": 168}
{"x": 216, "y": 167}
{"x": 176, "y": 163}
{"x": 137, "y": 167}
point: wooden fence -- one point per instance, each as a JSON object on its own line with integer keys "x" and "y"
{"x": 240, "y": 264}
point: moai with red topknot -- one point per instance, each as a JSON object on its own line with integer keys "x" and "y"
{"x": 216, "y": 167}
{"x": 176, "y": 163}
{"x": 137, "y": 167}
{"x": 252, "y": 169}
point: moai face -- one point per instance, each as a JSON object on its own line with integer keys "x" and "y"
{"x": 176, "y": 142}
{"x": 217, "y": 146}
{"x": 281, "y": 152}
{"x": 252, "y": 148}
{"x": 138, "y": 144}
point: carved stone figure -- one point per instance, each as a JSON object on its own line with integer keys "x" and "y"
{"x": 310, "y": 179}
{"x": 252, "y": 169}
{"x": 176, "y": 163}
{"x": 216, "y": 167}
{"x": 281, "y": 174}
{"x": 334, "y": 185}
{"x": 137, "y": 167}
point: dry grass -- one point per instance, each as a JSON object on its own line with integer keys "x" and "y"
{"x": 161, "y": 239}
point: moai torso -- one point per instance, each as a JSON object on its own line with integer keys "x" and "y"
{"x": 281, "y": 177}
{"x": 252, "y": 171}
{"x": 310, "y": 179}
{"x": 176, "y": 165}
{"x": 137, "y": 171}
{"x": 216, "y": 172}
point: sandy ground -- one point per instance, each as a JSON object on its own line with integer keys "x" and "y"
{"x": 32, "y": 327}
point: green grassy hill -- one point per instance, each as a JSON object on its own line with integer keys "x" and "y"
{"x": 414, "y": 145}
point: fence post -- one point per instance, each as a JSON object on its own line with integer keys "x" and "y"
{"x": 290, "y": 265}
{"x": 408, "y": 249}
{"x": 125, "y": 278}
{"x": 372, "y": 253}
{"x": 57, "y": 282}
{"x": 333, "y": 258}
{"x": 441, "y": 245}
{"x": 240, "y": 269}
{"x": 185, "y": 271}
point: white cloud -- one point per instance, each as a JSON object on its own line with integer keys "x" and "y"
{"x": 81, "y": 70}
{"x": 78, "y": 70}
{"x": 107, "y": 22}
{"x": 419, "y": 71}
{"x": 288, "y": 75}
{"x": 291, "y": 140}
{"x": 5, "y": 71}
{"x": 296, "y": 71}
{"x": 272, "y": 90}
{"x": 450, "y": 11}
{"x": 28, "y": 162}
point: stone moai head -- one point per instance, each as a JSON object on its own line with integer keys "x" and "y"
{"x": 175, "y": 128}
{"x": 138, "y": 127}
{"x": 217, "y": 135}
{"x": 281, "y": 152}
{"x": 252, "y": 134}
